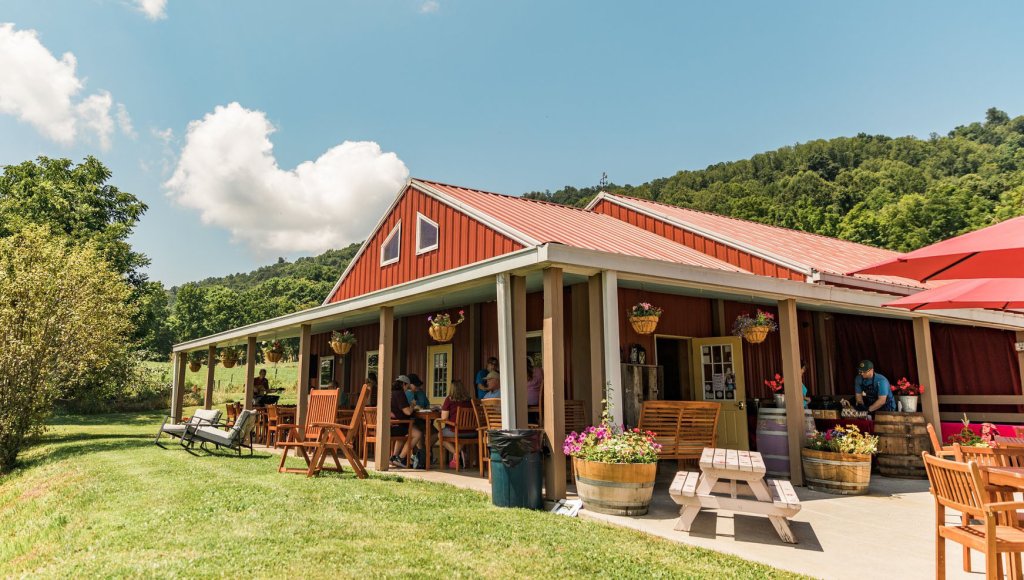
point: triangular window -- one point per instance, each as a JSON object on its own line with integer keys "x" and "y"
{"x": 426, "y": 234}
{"x": 391, "y": 249}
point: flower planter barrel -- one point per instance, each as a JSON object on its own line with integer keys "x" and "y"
{"x": 621, "y": 489}
{"x": 837, "y": 473}
{"x": 901, "y": 439}
{"x": 773, "y": 439}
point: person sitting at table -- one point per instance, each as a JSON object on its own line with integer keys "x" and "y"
{"x": 492, "y": 384}
{"x": 371, "y": 381}
{"x": 872, "y": 389}
{"x": 260, "y": 385}
{"x": 417, "y": 396}
{"x": 458, "y": 397}
{"x": 481, "y": 377}
{"x": 401, "y": 409}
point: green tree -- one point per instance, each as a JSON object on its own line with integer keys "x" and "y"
{"x": 63, "y": 316}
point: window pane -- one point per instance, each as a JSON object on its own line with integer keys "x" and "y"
{"x": 391, "y": 248}
{"x": 428, "y": 234}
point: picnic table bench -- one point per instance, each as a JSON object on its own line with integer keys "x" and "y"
{"x": 734, "y": 480}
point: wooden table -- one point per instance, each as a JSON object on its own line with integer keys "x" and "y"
{"x": 1004, "y": 476}
{"x": 725, "y": 475}
{"x": 428, "y": 416}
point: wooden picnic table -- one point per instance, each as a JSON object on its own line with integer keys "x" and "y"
{"x": 726, "y": 475}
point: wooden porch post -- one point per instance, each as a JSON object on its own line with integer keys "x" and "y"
{"x": 474, "y": 341}
{"x": 790, "y": 335}
{"x": 554, "y": 381}
{"x": 926, "y": 372}
{"x": 579, "y": 363}
{"x": 718, "y": 326}
{"x": 302, "y": 389}
{"x": 596, "y": 345}
{"x": 385, "y": 374}
{"x": 250, "y": 371}
{"x": 211, "y": 352}
{"x": 610, "y": 324}
{"x": 178, "y": 385}
{"x": 519, "y": 349}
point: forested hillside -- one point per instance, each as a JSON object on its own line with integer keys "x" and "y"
{"x": 900, "y": 193}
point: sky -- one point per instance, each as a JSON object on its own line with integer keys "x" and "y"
{"x": 257, "y": 129}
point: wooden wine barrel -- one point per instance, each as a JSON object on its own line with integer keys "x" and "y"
{"x": 621, "y": 489}
{"x": 773, "y": 439}
{"x": 837, "y": 473}
{"x": 901, "y": 439}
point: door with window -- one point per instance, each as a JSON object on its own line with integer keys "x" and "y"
{"x": 439, "y": 372}
{"x": 718, "y": 377}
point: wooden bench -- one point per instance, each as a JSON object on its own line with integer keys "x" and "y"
{"x": 734, "y": 474}
{"x": 683, "y": 428}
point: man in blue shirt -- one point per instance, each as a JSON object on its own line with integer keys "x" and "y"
{"x": 414, "y": 391}
{"x": 481, "y": 377}
{"x": 872, "y": 389}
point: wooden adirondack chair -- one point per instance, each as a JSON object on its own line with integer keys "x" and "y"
{"x": 336, "y": 437}
{"x": 323, "y": 406}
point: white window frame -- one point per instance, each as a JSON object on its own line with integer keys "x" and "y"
{"x": 437, "y": 240}
{"x": 396, "y": 231}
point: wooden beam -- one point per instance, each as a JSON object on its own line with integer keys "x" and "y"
{"x": 789, "y": 332}
{"x": 385, "y": 374}
{"x": 553, "y": 342}
{"x": 980, "y": 399}
{"x": 211, "y": 352}
{"x": 401, "y": 348}
{"x": 250, "y": 371}
{"x": 957, "y": 416}
{"x": 178, "y": 385}
{"x": 474, "y": 344}
{"x": 596, "y": 344}
{"x": 579, "y": 318}
{"x": 824, "y": 353}
{"x": 506, "y": 354}
{"x": 718, "y": 324}
{"x": 519, "y": 348}
{"x": 302, "y": 388}
{"x": 610, "y": 324}
{"x": 926, "y": 371}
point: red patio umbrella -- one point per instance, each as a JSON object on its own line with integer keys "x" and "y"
{"x": 993, "y": 252}
{"x": 998, "y": 293}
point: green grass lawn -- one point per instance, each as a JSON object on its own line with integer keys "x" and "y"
{"x": 95, "y": 497}
{"x": 230, "y": 383}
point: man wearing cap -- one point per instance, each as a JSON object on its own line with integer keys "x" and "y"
{"x": 872, "y": 389}
{"x": 414, "y": 391}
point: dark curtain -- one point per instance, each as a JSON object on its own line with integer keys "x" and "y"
{"x": 762, "y": 361}
{"x": 975, "y": 361}
{"x": 887, "y": 342}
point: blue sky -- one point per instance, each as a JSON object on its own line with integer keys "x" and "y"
{"x": 509, "y": 97}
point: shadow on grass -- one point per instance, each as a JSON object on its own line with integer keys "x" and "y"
{"x": 99, "y": 445}
{"x": 54, "y": 439}
{"x": 128, "y": 419}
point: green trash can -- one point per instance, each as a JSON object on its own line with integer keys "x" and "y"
{"x": 517, "y": 472}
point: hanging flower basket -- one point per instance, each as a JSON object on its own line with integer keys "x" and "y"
{"x": 273, "y": 355}
{"x": 341, "y": 342}
{"x": 754, "y": 329}
{"x": 442, "y": 329}
{"x": 228, "y": 362}
{"x": 644, "y": 317}
{"x": 194, "y": 366}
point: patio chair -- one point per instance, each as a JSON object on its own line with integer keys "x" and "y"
{"x": 959, "y": 486}
{"x": 233, "y": 409}
{"x": 274, "y": 423}
{"x": 940, "y": 450}
{"x": 465, "y": 431}
{"x": 336, "y": 437}
{"x": 683, "y": 428}
{"x": 234, "y": 438}
{"x": 208, "y": 417}
{"x": 369, "y": 434}
{"x": 490, "y": 411}
{"x": 321, "y": 410}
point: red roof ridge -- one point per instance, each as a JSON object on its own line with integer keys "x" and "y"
{"x": 507, "y": 195}
{"x": 718, "y": 215}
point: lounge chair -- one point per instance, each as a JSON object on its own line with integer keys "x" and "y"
{"x": 207, "y": 417}
{"x": 239, "y": 436}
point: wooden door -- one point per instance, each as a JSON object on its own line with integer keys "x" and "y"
{"x": 439, "y": 376}
{"x": 718, "y": 377}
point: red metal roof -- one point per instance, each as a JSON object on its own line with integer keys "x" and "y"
{"x": 552, "y": 223}
{"x": 815, "y": 251}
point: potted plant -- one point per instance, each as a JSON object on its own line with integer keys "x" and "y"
{"x": 776, "y": 385}
{"x": 839, "y": 460}
{"x": 341, "y": 342}
{"x": 908, "y": 393}
{"x": 273, "y": 351}
{"x": 754, "y": 328}
{"x": 195, "y": 361}
{"x": 442, "y": 329}
{"x": 967, "y": 437}
{"x": 644, "y": 317}
{"x": 228, "y": 357}
{"x": 614, "y": 467}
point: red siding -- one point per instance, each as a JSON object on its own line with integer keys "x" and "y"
{"x": 461, "y": 241}
{"x": 734, "y": 256}
{"x": 685, "y": 316}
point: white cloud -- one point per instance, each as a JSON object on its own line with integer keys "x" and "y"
{"x": 228, "y": 172}
{"x": 153, "y": 9}
{"x": 39, "y": 89}
{"x": 124, "y": 121}
{"x": 430, "y": 6}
